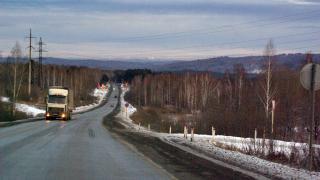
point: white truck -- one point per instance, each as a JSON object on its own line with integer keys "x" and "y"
{"x": 59, "y": 103}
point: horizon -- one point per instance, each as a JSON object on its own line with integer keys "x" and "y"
{"x": 161, "y": 60}
{"x": 167, "y": 30}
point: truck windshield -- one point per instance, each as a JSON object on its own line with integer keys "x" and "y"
{"x": 56, "y": 99}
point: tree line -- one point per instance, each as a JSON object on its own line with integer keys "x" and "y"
{"x": 234, "y": 104}
{"x": 14, "y": 80}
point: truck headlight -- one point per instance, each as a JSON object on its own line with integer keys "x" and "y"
{"x": 63, "y": 115}
{"x": 48, "y": 114}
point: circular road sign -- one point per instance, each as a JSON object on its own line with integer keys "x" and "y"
{"x": 305, "y": 76}
{"x": 127, "y": 104}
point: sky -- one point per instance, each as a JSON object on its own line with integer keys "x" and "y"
{"x": 160, "y": 29}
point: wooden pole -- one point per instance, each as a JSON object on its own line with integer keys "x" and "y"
{"x": 255, "y": 137}
{"x": 311, "y": 134}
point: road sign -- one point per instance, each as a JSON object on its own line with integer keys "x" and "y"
{"x": 127, "y": 104}
{"x": 310, "y": 79}
{"x": 306, "y": 76}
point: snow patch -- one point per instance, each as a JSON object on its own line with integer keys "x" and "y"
{"x": 255, "y": 71}
{"x": 204, "y": 143}
{"x": 25, "y": 108}
{"x": 126, "y": 112}
{"x": 29, "y": 110}
{"x": 4, "y": 99}
{"x": 100, "y": 94}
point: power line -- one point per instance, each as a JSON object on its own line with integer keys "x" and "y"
{"x": 40, "y": 63}
{"x": 238, "y": 42}
{"x": 224, "y": 27}
{"x": 306, "y": 48}
{"x": 231, "y": 43}
{"x": 30, "y": 75}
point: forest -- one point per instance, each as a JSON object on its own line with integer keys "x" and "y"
{"x": 235, "y": 104}
{"x": 14, "y": 82}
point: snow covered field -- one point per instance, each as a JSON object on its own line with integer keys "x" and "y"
{"x": 203, "y": 145}
{"x": 33, "y": 111}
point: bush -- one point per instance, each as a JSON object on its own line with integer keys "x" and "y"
{"x": 5, "y": 114}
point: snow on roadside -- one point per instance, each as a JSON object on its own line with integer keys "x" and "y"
{"x": 203, "y": 144}
{"x": 29, "y": 110}
{"x": 33, "y": 111}
{"x": 26, "y": 108}
{"x": 4, "y": 99}
{"x": 100, "y": 94}
{"x": 130, "y": 109}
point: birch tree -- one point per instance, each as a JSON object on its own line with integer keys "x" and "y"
{"x": 268, "y": 88}
{"x": 16, "y": 70}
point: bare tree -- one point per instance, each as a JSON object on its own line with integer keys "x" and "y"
{"x": 268, "y": 88}
{"x": 16, "y": 70}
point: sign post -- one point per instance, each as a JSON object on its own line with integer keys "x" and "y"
{"x": 310, "y": 80}
{"x": 127, "y": 105}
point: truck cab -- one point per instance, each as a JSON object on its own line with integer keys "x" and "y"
{"x": 59, "y": 103}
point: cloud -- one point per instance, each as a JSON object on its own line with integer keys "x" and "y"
{"x": 148, "y": 28}
{"x": 303, "y": 2}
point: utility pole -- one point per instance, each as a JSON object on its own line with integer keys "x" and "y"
{"x": 40, "y": 71}
{"x": 30, "y": 63}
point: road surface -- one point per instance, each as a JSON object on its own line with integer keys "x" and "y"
{"x": 77, "y": 149}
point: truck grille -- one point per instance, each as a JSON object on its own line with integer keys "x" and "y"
{"x": 55, "y": 110}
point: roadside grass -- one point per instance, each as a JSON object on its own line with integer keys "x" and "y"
{"x": 160, "y": 119}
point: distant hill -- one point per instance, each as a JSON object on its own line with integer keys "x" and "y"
{"x": 109, "y": 64}
{"x": 252, "y": 64}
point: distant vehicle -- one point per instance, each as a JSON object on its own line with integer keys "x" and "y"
{"x": 115, "y": 96}
{"x": 59, "y": 103}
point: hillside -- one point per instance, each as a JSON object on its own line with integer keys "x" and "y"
{"x": 219, "y": 64}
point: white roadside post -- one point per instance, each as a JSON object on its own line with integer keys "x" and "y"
{"x": 149, "y": 127}
{"x": 185, "y": 132}
{"x": 272, "y": 115}
{"x": 192, "y": 135}
{"x": 170, "y": 130}
{"x": 213, "y": 134}
{"x": 255, "y": 137}
{"x": 139, "y": 125}
{"x": 126, "y": 112}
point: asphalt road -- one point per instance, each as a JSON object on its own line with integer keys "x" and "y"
{"x": 77, "y": 149}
